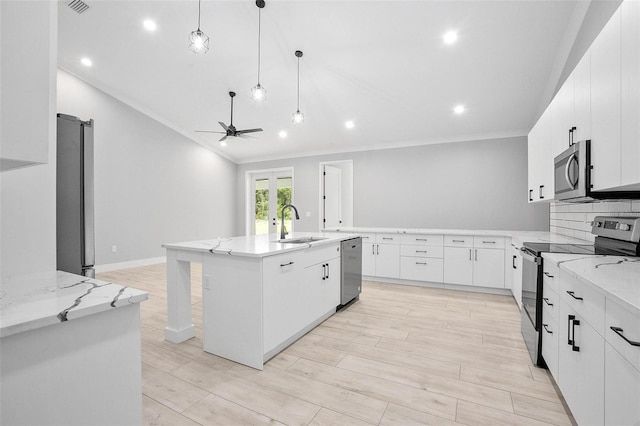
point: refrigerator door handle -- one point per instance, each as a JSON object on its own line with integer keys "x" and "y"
{"x": 88, "y": 225}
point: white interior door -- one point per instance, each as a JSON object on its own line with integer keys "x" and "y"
{"x": 270, "y": 191}
{"x": 332, "y": 197}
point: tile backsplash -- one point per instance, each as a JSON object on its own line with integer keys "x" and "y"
{"x": 574, "y": 219}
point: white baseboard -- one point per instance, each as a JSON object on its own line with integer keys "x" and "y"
{"x": 130, "y": 264}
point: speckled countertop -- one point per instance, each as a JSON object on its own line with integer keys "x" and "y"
{"x": 33, "y": 301}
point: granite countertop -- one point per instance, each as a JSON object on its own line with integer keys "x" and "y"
{"x": 616, "y": 277}
{"x": 259, "y": 245}
{"x": 518, "y": 236}
{"x": 34, "y": 301}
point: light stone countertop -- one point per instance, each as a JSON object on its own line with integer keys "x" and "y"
{"x": 259, "y": 245}
{"x": 34, "y": 301}
{"x": 616, "y": 277}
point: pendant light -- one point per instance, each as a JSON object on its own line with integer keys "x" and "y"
{"x": 258, "y": 92}
{"x": 298, "y": 117}
{"x": 198, "y": 41}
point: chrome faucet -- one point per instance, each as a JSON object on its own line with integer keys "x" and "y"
{"x": 283, "y": 232}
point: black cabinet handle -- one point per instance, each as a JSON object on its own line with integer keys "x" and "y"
{"x": 571, "y": 130}
{"x": 421, "y": 263}
{"x": 469, "y": 254}
{"x": 547, "y": 329}
{"x": 328, "y": 271}
{"x": 377, "y": 248}
{"x": 421, "y": 251}
{"x": 619, "y": 331}
{"x": 546, "y": 300}
{"x": 387, "y": 238}
{"x": 373, "y": 249}
{"x": 476, "y": 255}
{"x": 531, "y": 195}
{"x": 548, "y": 274}
{"x": 513, "y": 262}
{"x": 570, "y": 319}
{"x": 573, "y": 344}
{"x": 282, "y": 265}
{"x": 572, "y": 294}
{"x": 540, "y": 192}
{"x": 421, "y": 239}
{"x": 324, "y": 271}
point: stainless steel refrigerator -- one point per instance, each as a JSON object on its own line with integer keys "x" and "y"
{"x": 74, "y": 196}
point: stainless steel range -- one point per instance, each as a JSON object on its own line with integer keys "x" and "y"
{"x": 616, "y": 236}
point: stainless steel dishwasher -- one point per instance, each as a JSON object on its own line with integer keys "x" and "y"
{"x": 350, "y": 270}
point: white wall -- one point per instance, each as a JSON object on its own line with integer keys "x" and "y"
{"x": 466, "y": 185}
{"x": 152, "y": 185}
{"x": 28, "y": 197}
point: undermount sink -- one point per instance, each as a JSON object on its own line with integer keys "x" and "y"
{"x": 301, "y": 240}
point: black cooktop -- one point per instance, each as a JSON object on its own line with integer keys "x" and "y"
{"x": 539, "y": 248}
{"x": 603, "y": 245}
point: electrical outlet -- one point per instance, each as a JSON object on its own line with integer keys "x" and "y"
{"x": 207, "y": 282}
{"x": 114, "y": 249}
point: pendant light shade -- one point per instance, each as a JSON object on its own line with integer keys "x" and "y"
{"x": 298, "y": 117}
{"x": 258, "y": 92}
{"x": 198, "y": 40}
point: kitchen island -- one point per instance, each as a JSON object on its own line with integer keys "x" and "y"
{"x": 259, "y": 294}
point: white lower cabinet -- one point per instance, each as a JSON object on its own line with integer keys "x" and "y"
{"x": 470, "y": 265}
{"x": 381, "y": 260}
{"x": 458, "y": 265}
{"x": 421, "y": 269}
{"x": 622, "y": 390}
{"x": 516, "y": 280}
{"x": 550, "y": 341}
{"x": 488, "y": 268}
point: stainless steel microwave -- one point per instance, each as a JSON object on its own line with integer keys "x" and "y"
{"x": 572, "y": 177}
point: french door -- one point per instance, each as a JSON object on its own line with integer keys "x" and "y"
{"x": 270, "y": 191}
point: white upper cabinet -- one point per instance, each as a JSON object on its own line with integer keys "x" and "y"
{"x": 581, "y": 100}
{"x": 541, "y": 187}
{"x": 605, "y": 105}
{"x": 630, "y": 89}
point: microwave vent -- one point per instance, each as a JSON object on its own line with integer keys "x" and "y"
{"x": 78, "y": 6}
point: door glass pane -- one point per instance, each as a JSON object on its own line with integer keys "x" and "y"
{"x": 261, "y": 225}
{"x": 284, "y": 185}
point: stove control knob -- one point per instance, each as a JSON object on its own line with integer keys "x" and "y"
{"x": 624, "y": 227}
{"x": 596, "y": 224}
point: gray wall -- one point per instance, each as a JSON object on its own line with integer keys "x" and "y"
{"x": 152, "y": 185}
{"x": 466, "y": 185}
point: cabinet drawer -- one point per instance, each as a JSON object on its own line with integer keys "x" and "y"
{"x": 367, "y": 237}
{"x": 587, "y": 302}
{"x": 622, "y": 318}
{"x": 488, "y": 242}
{"x": 320, "y": 254}
{"x": 550, "y": 300}
{"x": 458, "y": 240}
{"x": 550, "y": 273}
{"x": 421, "y": 269}
{"x": 421, "y": 251}
{"x": 425, "y": 240}
{"x": 285, "y": 263}
{"x": 550, "y": 340}
{"x": 388, "y": 238}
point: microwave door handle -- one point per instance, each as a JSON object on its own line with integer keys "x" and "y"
{"x": 566, "y": 171}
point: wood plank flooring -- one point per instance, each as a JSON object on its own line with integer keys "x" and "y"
{"x": 401, "y": 355}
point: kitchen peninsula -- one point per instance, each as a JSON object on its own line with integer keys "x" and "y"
{"x": 260, "y": 294}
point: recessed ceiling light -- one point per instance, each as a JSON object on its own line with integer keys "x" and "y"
{"x": 149, "y": 25}
{"x": 450, "y": 37}
{"x": 223, "y": 143}
{"x": 86, "y": 62}
{"x": 349, "y": 124}
{"x": 282, "y": 134}
{"x": 459, "y": 109}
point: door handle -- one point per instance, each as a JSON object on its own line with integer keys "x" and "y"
{"x": 571, "y": 130}
{"x": 282, "y": 265}
{"x": 619, "y": 331}
{"x": 377, "y": 248}
{"x": 324, "y": 271}
{"x": 540, "y": 192}
{"x": 469, "y": 254}
{"x": 572, "y": 294}
{"x": 327, "y": 271}
{"x": 567, "y": 177}
{"x": 548, "y": 275}
{"x": 373, "y": 249}
{"x": 570, "y": 319}
{"x": 546, "y": 300}
{"x": 531, "y": 195}
{"x": 547, "y": 329}
{"x": 476, "y": 254}
{"x": 574, "y": 347}
{"x": 421, "y": 263}
{"x": 513, "y": 262}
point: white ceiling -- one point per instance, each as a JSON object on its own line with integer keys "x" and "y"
{"x": 381, "y": 64}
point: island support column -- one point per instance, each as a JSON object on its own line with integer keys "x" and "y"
{"x": 179, "y": 325}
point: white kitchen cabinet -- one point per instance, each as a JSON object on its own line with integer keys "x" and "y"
{"x": 421, "y": 269}
{"x": 581, "y": 101}
{"x": 469, "y": 263}
{"x": 622, "y": 389}
{"x": 516, "y": 270}
{"x": 458, "y": 265}
{"x": 540, "y": 172}
{"x": 321, "y": 283}
{"x": 580, "y": 354}
{"x": 630, "y": 89}
{"x": 488, "y": 268}
{"x": 605, "y": 105}
{"x": 382, "y": 257}
{"x": 550, "y": 341}
{"x": 28, "y": 82}
{"x": 369, "y": 259}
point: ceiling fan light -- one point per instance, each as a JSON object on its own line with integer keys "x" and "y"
{"x": 297, "y": 117}
{"x": 258, "y": 93}
{"x": 198, "y": 42}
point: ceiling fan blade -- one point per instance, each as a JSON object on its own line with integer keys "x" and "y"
{"x": 249, "y": 131}
{"x": 208, "y": 131}
{"x": 248, "y": 137}
{"x": 223, "y": 138}
{"x": 224, "y": 126}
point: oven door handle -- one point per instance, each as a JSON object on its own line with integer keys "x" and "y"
{"x": 531, "y": 258}
{"x": 572, "y": 158}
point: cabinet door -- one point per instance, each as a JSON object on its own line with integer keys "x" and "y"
{"x": 558, "y": 130}
{"x": 622, "y": 390}
{"x": 630, "y": 108}
{"x": 488, "y": 268}
{"x": 567, "y": 365}
{"x": 458, "y": 265}
{"x": 387, "y": 260}
{"x": 605, "y": 105}
{"x": 550, "y": 339}
{"x": 541, "y": 160}
{"x": 590, "y": 375}
{"x": 320, "y": 289}
{"x": 516, "y": 283}
{"x": 582, "y": 99}
{"x": 369, "y": 259}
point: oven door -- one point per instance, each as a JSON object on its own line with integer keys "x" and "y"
{"x": 571, "y": 179}
{"x": 531, "y": 287}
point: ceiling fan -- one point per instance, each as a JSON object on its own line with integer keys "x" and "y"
{"x": 230, "y": 130}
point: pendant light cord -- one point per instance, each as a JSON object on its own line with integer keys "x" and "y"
{"x": 199, "y": 15}
{"x": 259, "y": 22}
{"x": 298, "y": 83}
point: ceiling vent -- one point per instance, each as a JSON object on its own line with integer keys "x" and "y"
{"x": 78, "y": 6}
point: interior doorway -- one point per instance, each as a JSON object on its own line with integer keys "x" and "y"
{"x": 336, "y": 194}
{"x": 268, "y": 192}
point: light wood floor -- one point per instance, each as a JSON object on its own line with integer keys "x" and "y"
{"x": 400, "y": 356}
